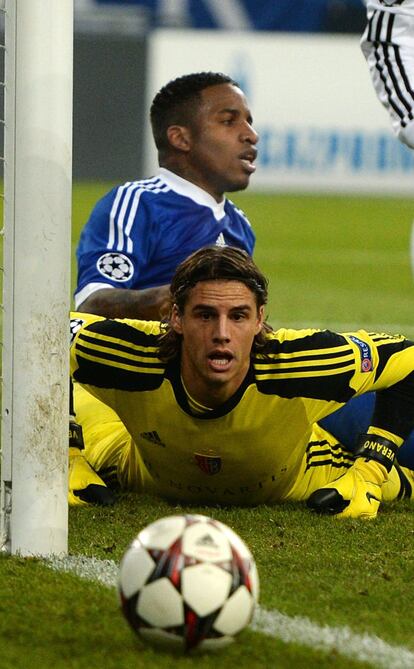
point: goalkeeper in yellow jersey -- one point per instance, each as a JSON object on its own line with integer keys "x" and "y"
{"x": 215, "y": 407}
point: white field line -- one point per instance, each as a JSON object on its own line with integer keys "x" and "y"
{"x": 360, "y": 647}
{"x": 297, "y": 629}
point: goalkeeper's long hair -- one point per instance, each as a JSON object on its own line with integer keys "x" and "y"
{"x": 212, "y": 264}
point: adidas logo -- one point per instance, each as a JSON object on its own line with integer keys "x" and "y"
{"x": 206, "y": 541}
{"x": 220, "y": 241}
{"x": 153, "y": 437}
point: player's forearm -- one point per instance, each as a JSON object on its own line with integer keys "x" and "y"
{"x": 124, "y": 303}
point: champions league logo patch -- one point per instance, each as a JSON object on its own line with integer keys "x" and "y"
{"x": 365, "y": 351}
{"x": 75, "y": 325}
{"x": 209, "y": 464}
{"x": 115, "y": 266}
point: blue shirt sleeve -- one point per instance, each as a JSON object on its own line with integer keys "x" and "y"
{"x": 107, "y": 253}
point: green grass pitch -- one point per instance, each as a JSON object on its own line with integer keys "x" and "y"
{"x": 338, "y": 262}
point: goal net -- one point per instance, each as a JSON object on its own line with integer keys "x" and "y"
{"x": 38, "y": 49}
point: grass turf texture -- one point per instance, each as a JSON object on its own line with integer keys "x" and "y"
{"x": 331, "y": 261}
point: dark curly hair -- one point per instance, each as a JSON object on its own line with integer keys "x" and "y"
{"x": 177, "y": 102}
{"x": 212, "y": 264}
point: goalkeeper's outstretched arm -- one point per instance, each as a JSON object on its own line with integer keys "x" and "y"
{"x": 357, "y": 493}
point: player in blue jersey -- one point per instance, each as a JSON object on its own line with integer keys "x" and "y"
{"x": 139, "y": 232}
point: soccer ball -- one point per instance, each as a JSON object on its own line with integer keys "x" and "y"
{"x": 188, "y": 580}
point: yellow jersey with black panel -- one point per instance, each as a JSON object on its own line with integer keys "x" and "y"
{"x": 263, "y": 444}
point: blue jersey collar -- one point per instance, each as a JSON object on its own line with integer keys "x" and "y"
{"x": 195, "y": 193}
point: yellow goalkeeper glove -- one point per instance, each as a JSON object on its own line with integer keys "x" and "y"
{"x": 357, "y": 493}
{"x": 85, "y": 485}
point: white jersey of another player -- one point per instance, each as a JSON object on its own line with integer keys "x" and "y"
{"x": 388, "y": 46}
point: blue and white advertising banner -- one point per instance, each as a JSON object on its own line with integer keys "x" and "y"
{"x": 321, "y": 126}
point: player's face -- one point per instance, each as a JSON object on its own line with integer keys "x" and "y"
{"x": 219, "y": 323}
{"x": 222, "y": 142}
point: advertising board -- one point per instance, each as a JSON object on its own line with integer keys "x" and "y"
{"x": 321, "y": 126}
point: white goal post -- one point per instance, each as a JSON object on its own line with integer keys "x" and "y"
{"x": 36, "y": 275}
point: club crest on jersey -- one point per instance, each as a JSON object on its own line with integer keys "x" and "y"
{"x": 209, "y": 464}
{"x": 365, "y": 352}
{"x": 115, "y": 266}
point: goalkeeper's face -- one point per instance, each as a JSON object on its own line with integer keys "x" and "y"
{"x": 218, "y": 326}
{"x": 222, "y": 142}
